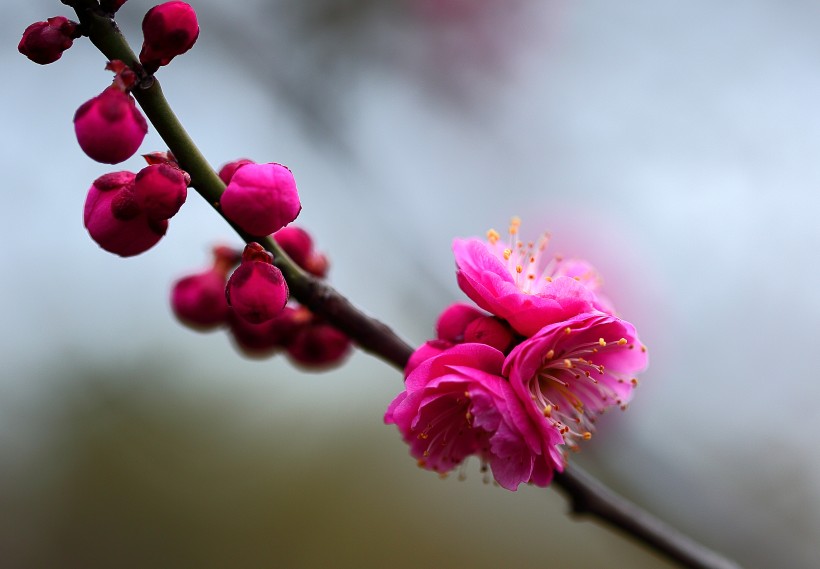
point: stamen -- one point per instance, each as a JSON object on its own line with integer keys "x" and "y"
{"x": 493, "y": 236}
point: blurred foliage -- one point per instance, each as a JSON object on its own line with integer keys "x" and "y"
{"x": 136, "y": 471}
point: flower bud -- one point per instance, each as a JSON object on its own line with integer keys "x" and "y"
{"x": 115, "y": 221}
{"x": 318, "y": 345}
{"x": 160, "y": 190}
{"x": 45, "y": 42}
{"x": 453, "y": 321}
{"x": 260, "y": 340}
{"x": 296, "y": 242}
{"x": 228, "y": 170}
{"x": 257, "y": 291}
{"x": 170, "y": 29}
{"x": 317, "y": 265}
{"x": 198, "y": 301}
{"x": 109, "y": 127}
{"x": 261, "y": 198}
{"x": 491, "y": 331}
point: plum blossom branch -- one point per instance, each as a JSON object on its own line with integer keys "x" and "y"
{"x": 368, "y": 333}
{"x": 587, "y": 496}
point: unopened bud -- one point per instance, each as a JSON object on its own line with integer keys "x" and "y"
{"x": 261, "y": 198}
{"x": 257, "y": 290}
{"x": 45, "y": 42}
{"x": 170, "y": 29}
{"x": 115, "y": 221}
{"x": 160, "y": 190}
{"x": 109, "y": 127}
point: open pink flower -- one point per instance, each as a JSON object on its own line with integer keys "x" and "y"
{"x": 520, "y": 283}
{"x": 571, "y": 371}
{"x": 456, "y": 404}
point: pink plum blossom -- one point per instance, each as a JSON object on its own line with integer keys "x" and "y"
{"x": 256, "y": 290}
{"x": 109, "y": 127}
{"x": 520, "y": 283}
{"x": 571, "y": 371}
{"x": 114, "y": 219}
{"x": 261, "y": 198}
{"x": 457, "y": 404}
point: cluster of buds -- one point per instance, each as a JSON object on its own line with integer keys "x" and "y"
{"x": 250, "y": 301}
{"x": 127, "y": 213}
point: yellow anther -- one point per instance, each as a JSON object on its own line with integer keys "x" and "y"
{"x": 622, "y": 342}
{"x": 507, "y": 254}
{"x": 634, "y": 382}
{"x": 587, "y": 435}
{"x": 568, "y": 362}
{"x": 548, "y": 279}
{"x": 550, "y": 354}
{"x": 548, "y": 411}
{"x": 519, "y": 269}
{"x": 515, "y": 221}
{"x": 567, "y": 330}
{"x": 602, "y": 342}
{"x": 643, "y": 349}
{"x": 493, "y": 236}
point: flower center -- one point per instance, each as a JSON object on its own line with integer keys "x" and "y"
{"x": 571, "y": 389}
{"x": 527, "y": 262}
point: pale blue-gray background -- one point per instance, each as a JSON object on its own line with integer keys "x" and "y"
{"x": 673, "y": 144}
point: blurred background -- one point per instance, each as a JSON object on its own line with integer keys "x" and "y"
{"x": 673, "y": 144}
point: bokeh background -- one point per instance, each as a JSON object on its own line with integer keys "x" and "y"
{"x": 674, "y": 144}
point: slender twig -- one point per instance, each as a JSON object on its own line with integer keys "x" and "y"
{"x": 587, "y": 496}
